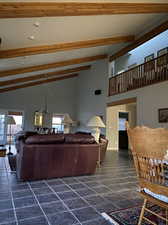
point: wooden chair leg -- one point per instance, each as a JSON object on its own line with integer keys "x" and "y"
{"x": 142, "y": 212}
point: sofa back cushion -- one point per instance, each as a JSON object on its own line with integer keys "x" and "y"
{"x": 45, "y": 139}
{"x": 79, "y": 139}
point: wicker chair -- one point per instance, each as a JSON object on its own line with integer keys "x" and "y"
{"x": 149, "y": 148}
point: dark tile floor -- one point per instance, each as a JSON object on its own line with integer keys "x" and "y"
{"x": 73, "y": 200}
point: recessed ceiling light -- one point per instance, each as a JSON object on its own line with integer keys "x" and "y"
{"x": 36, "y": 24}
{"x": 31, "y": 37}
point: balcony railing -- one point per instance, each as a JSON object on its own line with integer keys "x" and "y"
{"x": 152, "y": 72}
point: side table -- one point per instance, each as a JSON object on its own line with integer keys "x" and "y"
{"x": 2, "y": 151}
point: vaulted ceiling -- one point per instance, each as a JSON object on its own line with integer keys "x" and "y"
{"x": 68, "y": 33}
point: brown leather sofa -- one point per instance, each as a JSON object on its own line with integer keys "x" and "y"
{"x": 103, "y": 143}
{"x": 50, "y": 156}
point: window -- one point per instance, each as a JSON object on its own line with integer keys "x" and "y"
{"x": 15, "y": 128}
{"x": 57, "y": 123}
{"x": 123, "y": 117}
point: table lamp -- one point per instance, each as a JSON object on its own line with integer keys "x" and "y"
{"x": 95, "y": 122}
{"x": 67, "y": 122}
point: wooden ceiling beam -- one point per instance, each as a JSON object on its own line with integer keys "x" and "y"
{"x": 43, "y": 76}
{"x": 31, "y": 84}
{"x": 48, "y": 9}
{"x": 45, "y": 49}
{"x": 69, "y": 62}
{"x": 146, "y": 37}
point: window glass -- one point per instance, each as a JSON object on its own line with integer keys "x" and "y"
{"x": 57, "y": 123}
{"x": 122, "y": 124}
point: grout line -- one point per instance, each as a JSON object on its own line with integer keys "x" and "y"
{"x": 63, "y": 203}
{"x": 39, "y": 205}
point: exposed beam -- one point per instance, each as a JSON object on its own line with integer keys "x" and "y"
{"x": 45, "y": 49}
{"x": 42, "y": 76}
{"x": 146, "y": 37}
{"x": 122, "y": 102}
{"x": 2, "y": 90}
{"x": 47, "y": 9}
{"x": 52, "y": 65}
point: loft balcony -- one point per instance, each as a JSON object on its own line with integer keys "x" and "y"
{"x": 148, "y": 73}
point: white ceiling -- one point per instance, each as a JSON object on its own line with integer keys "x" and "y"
{"x": 53, "y": 30}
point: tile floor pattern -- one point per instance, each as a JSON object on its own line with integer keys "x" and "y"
{"x": 67, "y": 201}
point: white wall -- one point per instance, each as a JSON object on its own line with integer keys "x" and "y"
{"x": 61, "y": 98}
{"x": 149, "y": 100}
{"x": 138, "y": 54}
{"x": 88, "y": 103}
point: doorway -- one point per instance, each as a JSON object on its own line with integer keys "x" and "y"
{"x": 117, "y": 113}
{"x": 122, "y": 131}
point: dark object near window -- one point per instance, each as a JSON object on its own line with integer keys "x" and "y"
{"x": 97, "y": 92}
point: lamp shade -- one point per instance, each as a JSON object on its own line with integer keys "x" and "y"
{"x": 95, "y": 121}
{"x": 67, "y": 119}
{"x": 10, "y": 120}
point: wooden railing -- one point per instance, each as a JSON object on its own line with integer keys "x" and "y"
{"x": 148, "y": 73}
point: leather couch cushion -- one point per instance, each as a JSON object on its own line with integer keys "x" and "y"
{"x": 24, "y": 134}
{"x": 45, "y": 139}
{"x": 79, "y": 139}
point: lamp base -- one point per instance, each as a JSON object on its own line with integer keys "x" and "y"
{"x": 66, "y": 129}
{"x": 96, "y": 133}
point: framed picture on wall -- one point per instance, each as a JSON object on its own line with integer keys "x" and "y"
{"x": 162, "y": 60}
{"x": 163, "y": 115}
{"x": 149, "y": 63}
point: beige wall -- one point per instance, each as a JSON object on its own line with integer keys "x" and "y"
{"x": 112, "y": 125}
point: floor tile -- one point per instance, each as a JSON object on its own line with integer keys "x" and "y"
{"x": 100, "y": 221}
{"x": 70, "y": 180}
{"x": 6, "y": 204}
{"x": 5, "y": 195}
{"x": 34, "y": 221}
{"x": 77, "y": 186}
{"x": 105, "y": 207}
{"x": 65, "y": 218}
{"x": 53, "y": 208}
{"x": 75, "y": 203}
{"x": 85, "y": 214}
{"x": 67, "y": 195}
{"x": 7, "y": 216}
{"x": 38, "y": 185}
{"x": 21, "y": 194}
{"x": 101, "y": 189}
{"x": 94, "y": 200}
{"x": 24, "y": 202}
{"x": 42, "y": 191}
{"x": 28, "y": 212}
{"x": 47, "y": 198}
{"x": 60, "y": 188}
{"x": 19, "y": 187}
{"x": 9, "y": 223}
{"x": 85, "y": 192}
{"x": 54, "y": 182}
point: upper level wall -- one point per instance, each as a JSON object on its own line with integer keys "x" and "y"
{"x": 149, "y": 100}
{"x": 138, "y": 54}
